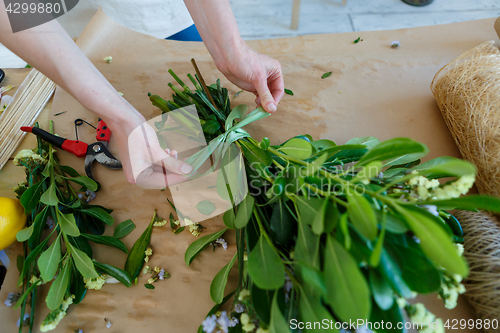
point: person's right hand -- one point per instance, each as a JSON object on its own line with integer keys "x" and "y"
{"x": 144, "y": 162}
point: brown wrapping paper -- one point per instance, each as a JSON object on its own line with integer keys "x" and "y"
{"x": 374, "y": 90}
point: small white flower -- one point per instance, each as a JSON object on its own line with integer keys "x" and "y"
{"x": 234, "y": 322}
{"x": 239, "y": 308}
{"x": 12, "y": 299}
{"x": 108, "y": 324}
{"x": 431, "y": 209}
{"x": 209, "y": 324}
{"x": 161, "y": 275}
{"x": 25, "y": 320}
{"x": 395, "y": 43}
{"x": 222, "y": 242}
{"x": 224, "y": 321}
{"x": 90, "y": 195}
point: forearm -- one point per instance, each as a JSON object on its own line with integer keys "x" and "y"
{"x": 49, "y": 48}
{"x": 217, "y": 26}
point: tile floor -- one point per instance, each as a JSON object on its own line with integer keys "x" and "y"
{"x": 259, "y": 19}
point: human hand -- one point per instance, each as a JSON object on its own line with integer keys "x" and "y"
{"x": 256, "y": 73}
{"x": 144, "y": 162}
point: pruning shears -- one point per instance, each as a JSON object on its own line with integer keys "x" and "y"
{"x": 96, "y": 151}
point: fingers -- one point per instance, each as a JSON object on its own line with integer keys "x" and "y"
{"x": 170, "y": 162}
{"x": 266, "y": 98}
{"x": 152, "y": 178}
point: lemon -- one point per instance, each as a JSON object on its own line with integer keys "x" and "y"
{"x": 12, "y": 220}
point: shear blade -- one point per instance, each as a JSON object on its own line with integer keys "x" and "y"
{"x": 98, "y": 152}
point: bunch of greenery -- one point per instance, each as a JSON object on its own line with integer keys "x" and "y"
{"x": 60, "y": 225}
{"x": 328, "y": 232}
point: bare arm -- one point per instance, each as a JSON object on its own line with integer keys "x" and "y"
{"x": 243, "y": 66}
{"x": 50, "y": 49}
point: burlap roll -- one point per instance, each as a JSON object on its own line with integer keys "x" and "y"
{"x": 467, "y": 91}
{"x": 482, "y": 251}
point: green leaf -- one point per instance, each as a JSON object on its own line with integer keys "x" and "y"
{"x": 115, "y": 272}
{"x": 38, "y": 227}
{"x": 211, "y": 126}
{"x": 149, "y": 286}
{"x": 197, "y": 246}
{"x": 297, "y": 148}
{"x": 68, "y": 225}
{"x": 368, "y": 141}
{"x": 58, "y": 288}
{"x": 69, "y": 171}
{"x": 265, "y": 266}
{"x": 232, "y": 174}
{"x": 48, "y": 263}
{"x": 244, "y": 212}
{"x": 323, "y": 144}
{"x": 408, "y": 158}
{"x": 435, "y": 242}
{"x": 99, "y": 214}
{"x": 259, "y": 159}
{"x": 313, "y": 278}
{"x": 123, "y": 229}
{"x": 357, "y": 40}
{"x": 77, "y": 285}
{"x": 261, "y": 301}
{"x": 21, "y": 300}
{"x": 311, "y": 310}
{"x": 229, "y": 218}
{"x": 309, "y": 207}
{"x": 278, "y": 322}
{"x": 282, "y": 223}
{"x": 237, "y": 113}
{"x": 218, "y": 285}
{"x": 306, "y": 248}
{"x": 326, "y": 219}
{"x": 392, "y": 316}
{"x": 392, "y": 149}
{"x": 362, "y": 215}
{"x": 107, "y": 240}
{"x": 82, "y": 262}
{"x": 445, "y": 166}
{"x": 24, "y": 234}
{"x": 85, "y": 181}
{"x": 135, "y": 258}
{"x": 381, "y": 290}
{"x": 31, "y": 197}
{"x": 419, "y": 273}
{"x": 264, "y": 144}
{"x": 288, "y": 92}
{"x": 468, "y": 202}
{"x": 324, "y": 76}
{"x": 348, "y": 292}
{"x": 49, "y": 197}
{"x": 205, "y": 207}
{"x": 30, "y": 258}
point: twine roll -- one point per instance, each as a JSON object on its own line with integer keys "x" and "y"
{"x": 467, "y": 91}
{"x": 482, "y": 251}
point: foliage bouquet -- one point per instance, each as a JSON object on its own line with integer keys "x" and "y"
{"x": 330, "y": 235}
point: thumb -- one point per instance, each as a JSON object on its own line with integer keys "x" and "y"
{"x": 170, "y": 163}
{"x": 266, "y": 99}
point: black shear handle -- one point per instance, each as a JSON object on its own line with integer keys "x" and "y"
{"x": 46, "y": 136}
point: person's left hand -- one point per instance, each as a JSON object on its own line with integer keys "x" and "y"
{"x": 256, "y": 73}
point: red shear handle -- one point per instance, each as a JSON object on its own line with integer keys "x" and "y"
{"x": 78, "y": 148}
{"x": 103, "y": 131}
